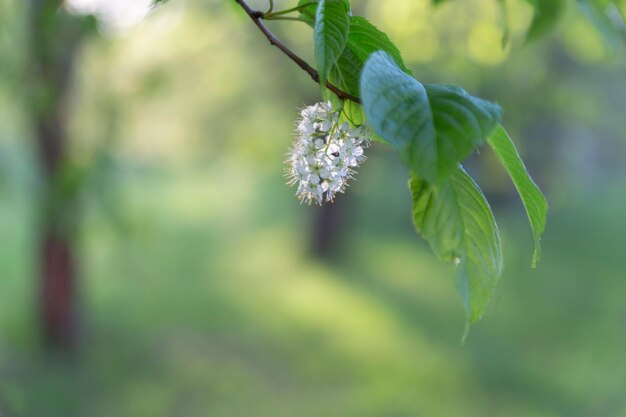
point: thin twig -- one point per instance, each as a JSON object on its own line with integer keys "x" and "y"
{"x": 256, "y": 17}
{"x": 295, "y": 19}
{"x": 287, "y": 11}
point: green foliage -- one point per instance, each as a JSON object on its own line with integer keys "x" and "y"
{"x": 396, "y": 107}
{"x": 364, "y": 39}
{"x": 433, "y": 128}
{"x": 347, "y": 72}
{"x": 606, "y": 16}
{"x": 307, "y": 10}
{"x": 456, "y": 220}
{"x": 546, "y": 15}
{"x": 462, "y": 122}
{"x": 331, "y": 34}
{"x": 534, "y": 201}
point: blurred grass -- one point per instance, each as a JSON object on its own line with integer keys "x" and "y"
{"x": 205, "y": 307}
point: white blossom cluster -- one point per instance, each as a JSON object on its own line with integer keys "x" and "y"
{"x": 324, "y": 154}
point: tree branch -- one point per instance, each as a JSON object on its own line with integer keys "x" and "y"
{"x": 256, "y": 17}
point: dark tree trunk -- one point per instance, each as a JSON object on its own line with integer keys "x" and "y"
{"x": 327, "y": 228}
{"x": 58, "y": 292}
{"x": 54, "y": 40}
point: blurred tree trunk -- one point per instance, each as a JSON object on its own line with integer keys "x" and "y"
{"x": 326, "y": 229}
{"x": 54, "y": 41}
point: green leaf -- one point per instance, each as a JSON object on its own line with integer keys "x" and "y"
{"x": 432, "y": 128}
{"x": 346, "y": 73}
{"x": 331, "y": 29}
{"x": 363, "y": 40}
{"x": 308, "y": 10}
{"x": 353, "y": 112}
{"x": 462, "y": 123}
{"x": 546, "y": 14}
{"x": 456, "y": 221}
{"x": 534, "y": 201}
{"x": 396, "y": 107}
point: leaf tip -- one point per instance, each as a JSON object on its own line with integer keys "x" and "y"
{"x": 536, "y": 256}
{"x": 465, "y": 333}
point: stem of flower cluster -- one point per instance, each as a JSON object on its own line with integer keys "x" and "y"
{"x": 332, "y": 130}
{"x": 275, "y": 17}
{"x": 256, "y": 16}
{"x": 286, "y": 11}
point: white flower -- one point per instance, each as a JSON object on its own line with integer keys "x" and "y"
{"x": 324, "y": 153}
{"x": 335, "y": 184}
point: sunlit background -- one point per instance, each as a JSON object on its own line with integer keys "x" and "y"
{"x": 203, "y": 287}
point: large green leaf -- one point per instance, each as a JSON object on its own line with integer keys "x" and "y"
{"x": 545, "y": 16}
{"x": 307, "y": 11}
{"x": 363, "y": 40}
{"x": 462, "y": 123}
{"x": 456, "y": 221}
{"x": 346, "y": 72}
{"x": 396, "y": 107}
{"x": 432, "y": 128}
{"x": 534, "y": 201}
{"x": 332, "y": 25}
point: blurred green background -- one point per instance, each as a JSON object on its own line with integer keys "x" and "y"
{"x": 205, "y": 289}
